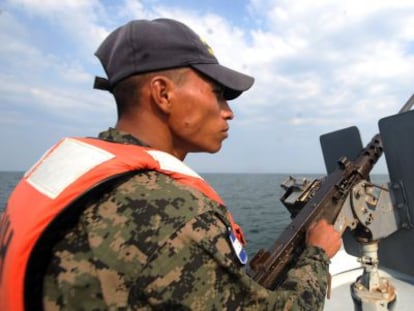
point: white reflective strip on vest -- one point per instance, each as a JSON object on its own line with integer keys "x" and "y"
{"x": 64, "y": 165}
{"x": 171, "y": 163}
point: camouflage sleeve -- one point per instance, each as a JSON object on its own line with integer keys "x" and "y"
{"x": 306, "y": 284}
{"x": 155, "y": 244}
{"x": 198, "y": 270}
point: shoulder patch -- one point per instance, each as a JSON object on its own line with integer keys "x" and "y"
{"x": 237, "y": 247}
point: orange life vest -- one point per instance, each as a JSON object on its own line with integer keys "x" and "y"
{"x": 71, "y": 169}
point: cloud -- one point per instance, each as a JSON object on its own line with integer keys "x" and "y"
{"x": 38, "y": 78}
{"x": 319, "y": 65}
{"x": 340, "y": 54}
{"x": 78, "y": 19}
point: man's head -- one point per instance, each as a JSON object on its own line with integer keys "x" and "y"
{"x": 170, "y": 90}
{"x": 177, "y": 111}
{"x": 143, "y": 46}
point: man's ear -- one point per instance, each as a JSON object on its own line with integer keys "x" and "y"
{"x": 162, "y": 89}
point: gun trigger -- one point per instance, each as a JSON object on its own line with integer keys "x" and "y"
{"x": 328, "y": 292}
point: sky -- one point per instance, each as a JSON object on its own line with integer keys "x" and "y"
{"x": 319, "y": 66}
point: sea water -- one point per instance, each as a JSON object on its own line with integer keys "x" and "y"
{"x": 253, "y": 200}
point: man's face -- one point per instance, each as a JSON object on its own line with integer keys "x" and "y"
{"x": 199, "y": 116}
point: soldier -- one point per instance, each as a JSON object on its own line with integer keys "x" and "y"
{"x": 120, "y": 222}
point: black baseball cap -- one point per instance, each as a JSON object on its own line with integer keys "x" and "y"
{"x": 142, "y": 46}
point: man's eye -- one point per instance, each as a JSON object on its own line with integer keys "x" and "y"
{"x": 219, "y": 92}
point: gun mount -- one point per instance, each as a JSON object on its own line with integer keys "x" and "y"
{"x": 323, "y": 200}
{"x": 348, "y": 200}
{"x": 368, "y": 213}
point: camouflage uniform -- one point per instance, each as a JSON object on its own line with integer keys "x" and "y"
{"x": 152, "y": 243}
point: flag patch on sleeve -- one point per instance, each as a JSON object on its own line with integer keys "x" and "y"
{"x": 238, "y": 248}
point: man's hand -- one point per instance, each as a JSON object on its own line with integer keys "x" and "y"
{"x": 323, "y": 235}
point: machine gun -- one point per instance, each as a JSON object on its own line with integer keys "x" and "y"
{"x": 345, "y": 198}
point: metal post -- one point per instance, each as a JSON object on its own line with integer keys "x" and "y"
{"x": 370, "y": 292}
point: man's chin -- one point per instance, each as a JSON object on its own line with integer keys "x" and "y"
{"x": 210, "y": 150}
